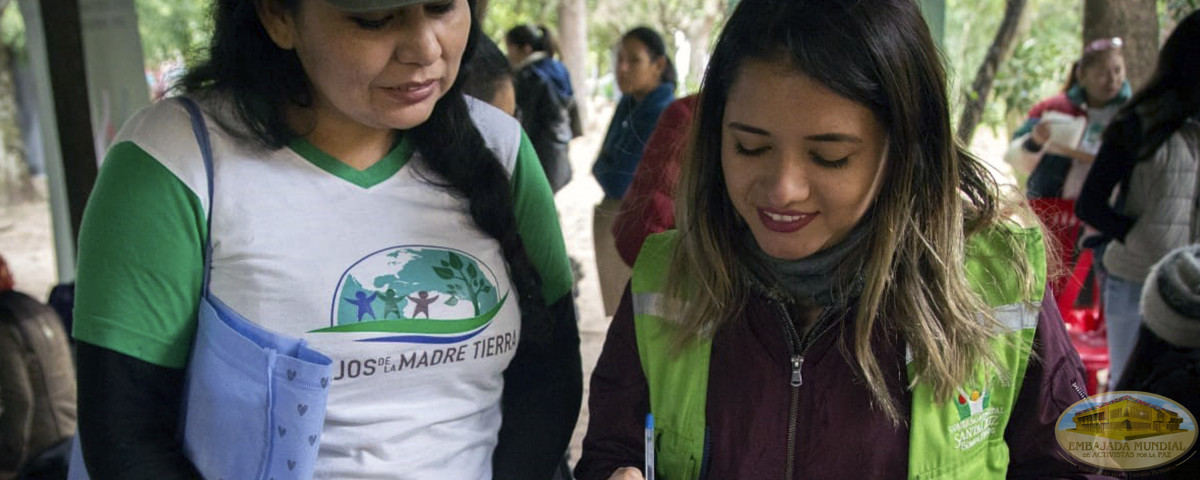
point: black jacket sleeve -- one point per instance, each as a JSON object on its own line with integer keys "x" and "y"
{"x": 129, "y": 417}
{"x": 1113, "y": 165}
{"x": 546, "y": 119}
{"x": 543, "y": 390}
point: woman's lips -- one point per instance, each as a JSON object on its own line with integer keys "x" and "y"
{"x": 784, "y": 221}
{"x": 412, "y": 92}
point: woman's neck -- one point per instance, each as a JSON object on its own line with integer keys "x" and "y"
{"x": 352, "y": 143}
{"x": 641, "y": 95}
{"x": 1092, "y": 102}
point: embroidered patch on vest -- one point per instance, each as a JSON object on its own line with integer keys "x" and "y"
{"x": 977, "y": 418}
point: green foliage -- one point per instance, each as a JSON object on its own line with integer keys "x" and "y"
{"x": 1040, "y": 64}
{"x": 12, "y": 28}
{"x": 607, "y": 21}
{"x": 504, "y": 15}
{"x": 1040, "y": 61}
{"x": 172, "y": 29}
{"x": 1172, "y": 11}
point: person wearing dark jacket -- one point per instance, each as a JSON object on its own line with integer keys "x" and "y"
{"x": 1166, "y": 360}
{"x": 37, "y": 387}
{"x": 1151, "y": 152}
{"x": 647, "y": 80}
{"x": 649, "y": 204}
{"x": 842, "y": 296}
{"x": 545, "y": 98}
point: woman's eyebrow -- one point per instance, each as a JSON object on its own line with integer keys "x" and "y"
{"x": 834, "y": 137}
{"x": 823, "y": 137}
{"x": 748, "y": 129}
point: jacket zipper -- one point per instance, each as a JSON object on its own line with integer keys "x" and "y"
{"x": 1078, "y": 391}
{"x": 797, "y": 346}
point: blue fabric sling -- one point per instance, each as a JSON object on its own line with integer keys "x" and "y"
{"x": 254, "y": 400}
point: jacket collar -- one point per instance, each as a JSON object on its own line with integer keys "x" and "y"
{"x": 1078, "y": 97}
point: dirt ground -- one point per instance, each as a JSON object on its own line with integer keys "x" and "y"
{"x": 26, "y": 241}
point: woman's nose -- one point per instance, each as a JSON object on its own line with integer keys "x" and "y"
{"x": 417, "y": 42}
{"x": 786, "y": 182}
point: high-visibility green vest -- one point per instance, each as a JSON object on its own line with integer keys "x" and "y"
{"x": 948, "y": 438}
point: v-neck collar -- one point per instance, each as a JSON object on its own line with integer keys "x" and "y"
{"x": 371, "y": 176}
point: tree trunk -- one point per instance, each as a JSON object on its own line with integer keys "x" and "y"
{"x": 573, "y": 43}
{"x": 1002, "y": 46}
{"x": 1136, "y": 22}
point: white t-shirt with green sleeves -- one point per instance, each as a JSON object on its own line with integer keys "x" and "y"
{"x": 380, "y": 270}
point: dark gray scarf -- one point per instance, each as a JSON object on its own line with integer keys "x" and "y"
{"x": 832, "y": 276}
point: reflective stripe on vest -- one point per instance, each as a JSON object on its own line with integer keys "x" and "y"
{"x": 961, "y": 437}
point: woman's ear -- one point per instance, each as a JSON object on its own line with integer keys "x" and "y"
{"x": 279, "y": 22}
{"x": 660, "y": 66}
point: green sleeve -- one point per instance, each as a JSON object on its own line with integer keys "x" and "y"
{"x": 537, "y": 220}
{"x": 140, "y": 264}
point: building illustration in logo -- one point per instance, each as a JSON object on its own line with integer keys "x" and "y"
{"x": 1127, "y": 418}
{"x": 416, "y": 294}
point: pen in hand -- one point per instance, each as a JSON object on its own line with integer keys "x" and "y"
{"x": 649, "y": 471}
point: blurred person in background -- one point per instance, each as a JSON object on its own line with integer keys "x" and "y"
{"x": 646, "y": 77}
{"x": 488, "y": 77}
{"x": 1150, "y": 157}
{"x": 37, "y": 387}
{"x": 546, "y": 103}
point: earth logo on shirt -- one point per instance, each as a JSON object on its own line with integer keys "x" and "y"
{"x": 1127, "y": 431}
{"x": 416, "y": 294}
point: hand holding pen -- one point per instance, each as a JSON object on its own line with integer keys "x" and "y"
{"x": 631, "y": 473}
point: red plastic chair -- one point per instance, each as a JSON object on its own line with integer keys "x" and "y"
{"x": 1084, "y": 318}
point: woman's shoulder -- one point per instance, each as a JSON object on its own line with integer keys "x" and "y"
{"x": 163, "y": 131}
{"x": 501, "y": 131}
{"x": 154, "y": 122}
{"x": 992, "y": 257}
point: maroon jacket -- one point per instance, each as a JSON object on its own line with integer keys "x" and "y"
{"x": 649, "y": 205}
{"x": 748, "y": 427}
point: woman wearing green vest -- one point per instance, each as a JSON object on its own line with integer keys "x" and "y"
{"x": 846, "y": 295}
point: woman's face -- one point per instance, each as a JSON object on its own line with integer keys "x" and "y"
{"x": 1102, "y": 80}
{"x": 381, "y": 70}
{"x": 801, "y": 163}
{"x": 638, "y": 73}
{"x": 517, "y": 53}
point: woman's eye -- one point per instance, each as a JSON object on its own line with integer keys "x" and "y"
{"x": 824, "y": 162}
{"x": 372, "y": 23}
{"x": 751, "y": 152}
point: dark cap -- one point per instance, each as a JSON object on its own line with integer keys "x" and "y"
{"x": 372, "y": 5}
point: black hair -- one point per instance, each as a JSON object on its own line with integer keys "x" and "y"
{"x": 657, "y": 49}
{"x": 1173, "y": 92}
{"x": 261, "y": 80}
{"x": 1072, "y": 77}
{"x": 246, "y": 65}
{"x": 881, "y": 61}
{"x": 487, "y": 70}
{"x": 539, "y": 38}
{"x": 932, "y": 194}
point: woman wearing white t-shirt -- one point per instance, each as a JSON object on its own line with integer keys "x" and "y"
{"x": 350, "y": 176}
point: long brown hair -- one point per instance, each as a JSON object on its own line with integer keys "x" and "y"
{"x": 933, "y": 193}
